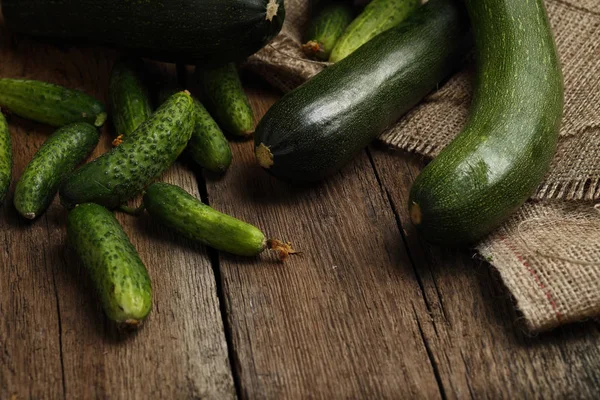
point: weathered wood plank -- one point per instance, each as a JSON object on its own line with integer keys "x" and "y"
{"x": 479, "y": 348}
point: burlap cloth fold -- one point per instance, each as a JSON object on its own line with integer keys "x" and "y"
{"x": 548, "y": 254}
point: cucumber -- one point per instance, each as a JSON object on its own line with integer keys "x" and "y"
{"x": 226, "y": 97}
{"x": 208, "y": 147}
{"x": 129, "y": 99}
{"x": 182, "y": 212}
{"x": 5, "y": 158}
{"x": 187, "y": 31}
{"x": 505, "y": 150}
{"x": 124, "y": 171}
{"x": 57, "y": 158}
{"x": 326, "y": 28}
{"x": 49, "y": 104}
{"x": 119, "y": 275}
{"x": 317, "y": 128}
{"x": 377, "y": 17}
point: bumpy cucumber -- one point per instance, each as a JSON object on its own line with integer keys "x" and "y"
{"x": 326, "y": 28}
{"x": 120, "y": 174}
{"x": 208, "y": 146}
{"x": 503, "y": 153}
{"x": 226, "y": 96}
{"x": 129, "y": 99}
{"x": 50, "y": 104}
{"x": 118, "y": 274}
{"x": 57, "y": 158}
{"x": 5, "y": 158}
{"x": 377, "y": 17}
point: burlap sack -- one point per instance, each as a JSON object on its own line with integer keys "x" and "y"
{"x": 549, "y": 253}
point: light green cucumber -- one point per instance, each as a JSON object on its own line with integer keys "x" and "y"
{"x": 5, "y": 158}
{"x": 50, "y": 104}
{"x": 377, "y": 17}
{"x": 57, "y": 158}
{"x": 227, "y": 99}
{"x": 127, "y": 169}
{"x": 119, "y": 275}
{"x": 326, "y": 28}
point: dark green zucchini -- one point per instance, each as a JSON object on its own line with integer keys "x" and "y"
{"x": 326, "y": 28}
{"x": 505, "y": 150}
{"x": 49, "y": 103}
{"x": 5, "y": 158}
{"x": 190, "y": 31}
{"x": 316, "y": 129}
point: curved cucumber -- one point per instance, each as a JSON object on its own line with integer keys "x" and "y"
{"x": 128, "y": 95}
{"x": 226, "y": 96}
{"x": 208, "y": 146}
{"x": 124, "y": 171}
{"x": 50, "y": 104}
{"x": 503, "y": 153}
{"x": 118, "y": 274}
{"x": 377, "y": 17}
{"x": 317, "y": 128}
{"x": 326, "y": 28}
{"x": 177, "y": 209}
{"x": 57, "y": 158}
{"x": 5, "y": 158}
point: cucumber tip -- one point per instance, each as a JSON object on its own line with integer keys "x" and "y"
{"x": 416, "y": 215}
{"x": 264, "y": 156}
{"x": 30, "y": 215}
{"x": 100, "y": 119}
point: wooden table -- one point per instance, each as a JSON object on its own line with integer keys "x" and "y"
{"x": 367, "y": 311}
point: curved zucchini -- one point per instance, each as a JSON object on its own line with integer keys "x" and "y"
{"x": 503, "y": 153}
{"x": 57, "y": 158}
{"x": 129, "y": 99}
{"x": 119, "y": 275}
{"x": 377, "y": 17}
{"x": 120, "y": 174}
{"x": 317, "y": 128}
{"x": 50, "y": 104}
{"x": 326, "y": 28}
{"x": 5, "y": 158}
{"x": 187, "y": 31}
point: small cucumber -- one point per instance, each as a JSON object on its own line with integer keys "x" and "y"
{"x": 208, "y": 147}
{"x": 226, "y": 96}
{"x": 177, "y": 209}
{"x": 5, "y": 158}
{"x": 50, "y": 104}
{"x": 377, "y": 17}
{"x": 124, "y": 171}
{"x": 326, "y": 28}
{"x": 57, "y": 158}
{"x": 128, "y": 95}
{"x": 118, "y": 273}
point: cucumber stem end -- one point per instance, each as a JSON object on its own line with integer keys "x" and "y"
{"x": 416, "y": 215}
{"x": 284, "y": 250}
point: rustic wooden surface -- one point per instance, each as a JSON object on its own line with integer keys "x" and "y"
{"x": 366, "y": 311}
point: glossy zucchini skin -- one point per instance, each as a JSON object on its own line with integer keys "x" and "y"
{"x": 189, "y": 31}
{"x": 505, "y": 150}
{"x": 49, "y": 103}
{"x": 326, "y": 28}
{"x": 5, "y": 158}
{"x": 313, "y": 131}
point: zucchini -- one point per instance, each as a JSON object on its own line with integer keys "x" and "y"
{"x": 317, "y": 128}
{"x": 182, "y": 212}
{"x": 119, "y": 275}
{"x": 188, "y": 31}
{"x": 49, "y": 103}
{"x": 326, "y": 28}
{"x": 129, "y": 99}
{"x": 377, "y": 17}
{"x": 505, "y": 150}
{"x": 227, "y": 99}
{"x": 208, "y": 147}
{"x": 5, "y": 158}
{"x": 57, "y": 157}
{"x": 124, "y": 171}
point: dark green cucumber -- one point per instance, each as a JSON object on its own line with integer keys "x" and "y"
{"x": 124, "y": 171}
{"x": 505, "y": 150}
{"x": 50, "y": 104}
{"x": 177, "y": 209}
{"x": 377, "y": 17}
{"x": 119, "y": 275}
{"x": 327, "y": 27}
{"x": 189, "y": 31}
{"x": 317, "y": 128}
{"x": 5, "y": 158}
{"x": 227, "y": 99}
{"x": 208, "y": 147}
{"x": 129, "y": 99}
{"x": 57, "y": 158}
